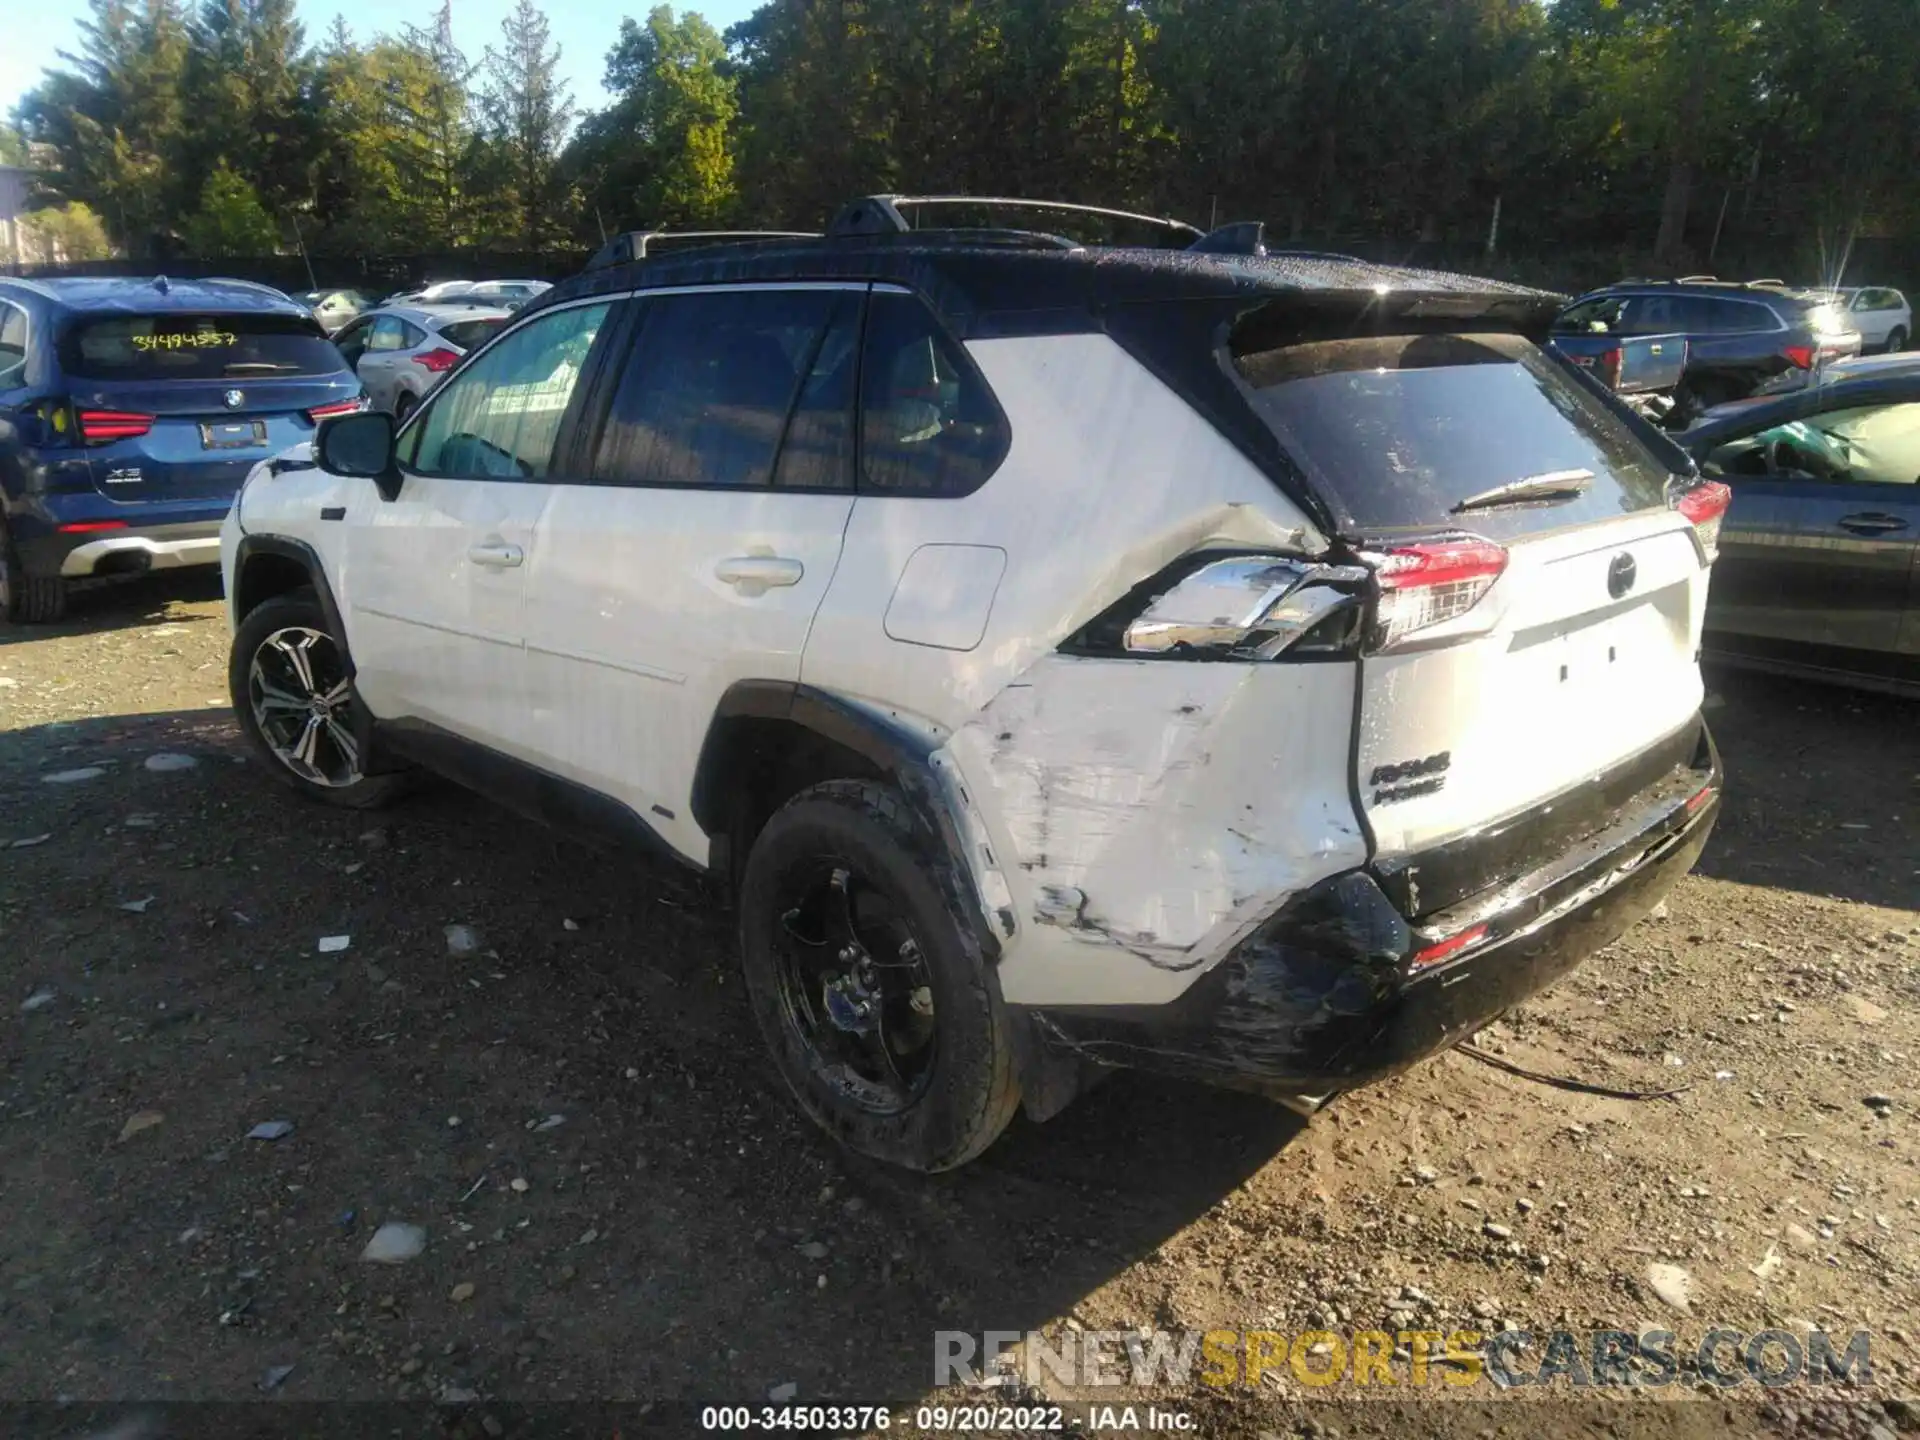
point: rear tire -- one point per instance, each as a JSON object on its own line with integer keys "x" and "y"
{"x": 288, "y": 677}
{"x": 888, "y": 1027}
{"x": 27, "y": 599}
{"x": 403, "y": 406}
{"x": 1896, "y": 340}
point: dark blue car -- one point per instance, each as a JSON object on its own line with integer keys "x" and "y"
{"x": 131, "y": 411}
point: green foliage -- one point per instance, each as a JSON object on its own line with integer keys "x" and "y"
{"x": 71, "y": 232}
{"x": 1674, "y": 129}
{"x": 661, "y": 153}
{"x": 231, "y": 220}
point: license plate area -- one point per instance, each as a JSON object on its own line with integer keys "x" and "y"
{"x": 232, "y": 434}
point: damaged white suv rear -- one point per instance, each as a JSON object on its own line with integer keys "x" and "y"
{"x": 1260, "y": 668}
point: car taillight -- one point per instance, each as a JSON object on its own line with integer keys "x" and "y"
{"x": 1426, "y": 585}
{"x": 89, "y": 527}
{"x": 1704, "y": 506}
{"x": 101, "y": 427}
{"x": 1799, "y": 356}
{"x": 337, "y": 407}
{"x": 438, "y": 361}
{"x": 1235, "y": 607}
{"x": 1608, "y": 367}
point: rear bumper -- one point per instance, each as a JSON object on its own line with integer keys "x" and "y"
{"x": 133, "y": 550}
{"x": 1328, "y": 995}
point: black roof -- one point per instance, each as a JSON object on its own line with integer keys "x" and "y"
{"x": 1007, "y": 282}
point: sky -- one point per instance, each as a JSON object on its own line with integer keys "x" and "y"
{"x": 584, "y": 30}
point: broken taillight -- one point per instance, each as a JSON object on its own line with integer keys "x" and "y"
{"x": 1426, "y": 585}
{"x": 337, "y": 407}
{"x": 1232, "y": 607}
{"x": 1441, "y": 951}
{"x": 1705, "y": 505}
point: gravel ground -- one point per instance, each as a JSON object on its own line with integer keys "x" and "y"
{"x": 616, "y": 1202}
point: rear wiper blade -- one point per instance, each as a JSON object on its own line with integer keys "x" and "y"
{"x": 257, "y": 365}
{"x": 1553, "y": 485}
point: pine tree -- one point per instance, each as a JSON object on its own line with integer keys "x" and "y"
{"x": 528, "y": 112}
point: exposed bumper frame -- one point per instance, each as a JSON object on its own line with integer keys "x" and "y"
{"x": 1324, "y": 995}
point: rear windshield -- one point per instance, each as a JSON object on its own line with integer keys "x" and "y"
{"x": 469, "y": 333}
{"x": 1396, "y": 431}
{"x": 178, "y": 346}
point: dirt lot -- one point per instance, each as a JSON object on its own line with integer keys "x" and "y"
{"x": 618, "y": 1204}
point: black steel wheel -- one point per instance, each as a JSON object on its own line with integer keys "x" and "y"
{"x": 868, "y": 983}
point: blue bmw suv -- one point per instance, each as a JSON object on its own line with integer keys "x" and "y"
{"x": 130, "y": 412}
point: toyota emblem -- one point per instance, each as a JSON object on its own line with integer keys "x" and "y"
{"x": 1621, "y": 574}
{"x": 235, "y": 399}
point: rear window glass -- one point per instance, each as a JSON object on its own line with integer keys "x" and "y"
{"x": 1396, "y": 431}
{"x": 469, "y": 334}
{"x": 197, "y": 347}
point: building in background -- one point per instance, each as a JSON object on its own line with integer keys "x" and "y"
{"x": 15, "y": 184}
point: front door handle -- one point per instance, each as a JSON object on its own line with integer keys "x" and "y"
{"x": 757, "y": 574}
{"x": 1871, "y": 522}
{"x": 496, "y": 556}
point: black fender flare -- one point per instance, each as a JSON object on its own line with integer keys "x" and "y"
{"x": 899, "y": 753}
{"x": 308, "y": 559}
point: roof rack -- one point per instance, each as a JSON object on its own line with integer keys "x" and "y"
{"x": 881, "y": 214}
{"x": 633, "y": 245}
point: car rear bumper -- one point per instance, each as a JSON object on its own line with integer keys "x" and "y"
{"x": 1331, "y": 992}
{"x": 132, "y": 550}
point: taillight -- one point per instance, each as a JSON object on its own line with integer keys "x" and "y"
{"x": 1238, "y": 607}
{"x": 1441, "y": 951}
{"x": 1704, "y": 506}
{"x": 1426, "y": 585}
{"x": 101, "y": 427}
{"x": 1609, "y": 367}
{"x": 89, "y": 527}
{"x": 438, "y": 361}
{"x": 1799, "y": 356}
{"x": 337, "y": 407}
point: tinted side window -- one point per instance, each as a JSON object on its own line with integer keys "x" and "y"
{"x": 1600, "y": 316}
{"x": 13, "y": 343}
{"x": 501, "y": 415}
{"x": 707, "y": 388}
{"x": 817, "y": 453}
{"x": 928, "y": 423}
{"x": 1741, "y": 317}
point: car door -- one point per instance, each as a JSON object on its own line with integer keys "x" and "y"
{"x": 1818, "y": 549}
{"x": 379, "y": 366}
{"x": 722, "y": 479}
{"x": 435, "y": 580}
{"x": 1872, "y": 316}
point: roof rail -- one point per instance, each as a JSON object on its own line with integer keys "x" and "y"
{"x": 1696, "y": 280}
{"x": 1768, "y": 284}
{"x": 881, "y": 214}
{"x": 633, "y": 245}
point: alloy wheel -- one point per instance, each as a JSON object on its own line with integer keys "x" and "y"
{"x": 300, "y": 694}
{"x": 854, "y": 986}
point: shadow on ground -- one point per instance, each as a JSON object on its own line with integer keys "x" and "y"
{"x": 679, "y": 1232}
{"x": 124, "y": 604}
{"x": 1823, "y": 789}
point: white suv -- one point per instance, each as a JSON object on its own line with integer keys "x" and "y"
{"x": 1259, "y": 668}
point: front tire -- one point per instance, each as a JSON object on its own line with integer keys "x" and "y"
{"x": 27, "y": 599}
{"x": 868, "y": 986}
{"x": 293, "y": 696}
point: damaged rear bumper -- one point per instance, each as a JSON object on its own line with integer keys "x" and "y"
{"x": 1341, "y": 987}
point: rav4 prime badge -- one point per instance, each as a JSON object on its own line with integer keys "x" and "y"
{"x": 1404, "y": 779}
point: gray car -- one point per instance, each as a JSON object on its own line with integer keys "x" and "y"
{"x": 400, "y": 352}
{"x": 1819, "y": 569}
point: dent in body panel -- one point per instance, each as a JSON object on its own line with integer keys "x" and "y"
{"x": 1158, "y": 810}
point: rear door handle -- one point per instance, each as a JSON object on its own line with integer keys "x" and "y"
{"x": 1871, "y": 523}
{"x": 496, "y": 556}
{"x": 756, "y": 574}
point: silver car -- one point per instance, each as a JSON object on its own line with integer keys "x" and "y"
{"x": 400, "y": 352}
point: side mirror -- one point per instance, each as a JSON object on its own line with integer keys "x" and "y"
{"x": 360, "y": 445}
